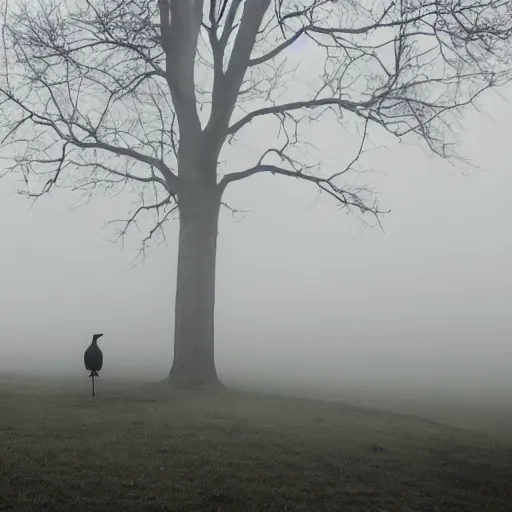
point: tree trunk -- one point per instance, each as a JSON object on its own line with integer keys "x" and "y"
{"x": 194, "y": 358}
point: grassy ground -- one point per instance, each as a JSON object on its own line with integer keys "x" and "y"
{"x": 149, "y": 448}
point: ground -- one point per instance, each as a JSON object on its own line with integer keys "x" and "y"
{"x": 151, "y": 448}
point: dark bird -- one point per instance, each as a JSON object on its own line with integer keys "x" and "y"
{"x": 93, "y": 359}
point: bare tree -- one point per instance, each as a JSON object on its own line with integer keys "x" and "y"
{"x": 107, "y": 94}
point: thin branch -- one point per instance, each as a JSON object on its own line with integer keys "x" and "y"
{"x": 345, "y": 197}
{"x": 171, "y": 180}
{"x": 298, "y": 105}
{"x": 170, "y": 177}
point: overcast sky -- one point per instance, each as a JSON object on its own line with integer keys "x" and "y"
{"x": 302, "y": 291}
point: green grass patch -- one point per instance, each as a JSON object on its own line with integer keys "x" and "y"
{"x": 151, "y": 448}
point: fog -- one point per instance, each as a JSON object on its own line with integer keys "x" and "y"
{"x": 306, "y": 298}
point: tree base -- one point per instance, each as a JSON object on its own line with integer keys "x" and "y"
{"x": 187, "y": 380}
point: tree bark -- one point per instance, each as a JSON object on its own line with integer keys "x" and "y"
{"x": 194, "y": 358}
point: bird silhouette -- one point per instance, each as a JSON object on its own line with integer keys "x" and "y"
{"x": 93, "y": 359}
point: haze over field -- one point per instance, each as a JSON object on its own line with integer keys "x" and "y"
{"x": 302, "y": 122}
{"x": 304, "y": 295}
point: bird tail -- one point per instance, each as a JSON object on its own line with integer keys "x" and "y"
{"x": 94, "y": 373}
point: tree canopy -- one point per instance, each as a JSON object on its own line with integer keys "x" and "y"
{"x": 103, "y": 93}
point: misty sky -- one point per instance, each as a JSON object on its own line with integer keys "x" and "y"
{"x": 302, "y": 291}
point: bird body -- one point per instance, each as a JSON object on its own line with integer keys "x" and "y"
{"x": 93, "y": 359}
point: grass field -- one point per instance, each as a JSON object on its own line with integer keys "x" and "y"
{"x": 151, "y": 448}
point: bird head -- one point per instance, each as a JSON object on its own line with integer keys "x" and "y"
{"x": 96, "y": 337}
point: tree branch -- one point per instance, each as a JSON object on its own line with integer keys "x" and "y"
{"x": 170, "y": 178}
{"x": 345, "y": 197}
{"x": 180, "y": 24}
{"x": 226, "y": 86}
{"x": 278, "y": 49}
{"x": 165, "y": 204}
{"x": 298, "y": 105}
{"x": 124, "y": 175}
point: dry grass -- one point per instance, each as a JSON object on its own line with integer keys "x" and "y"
{"x": 155, "y": 449}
